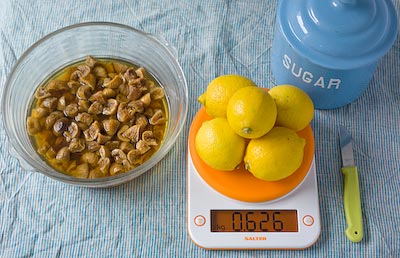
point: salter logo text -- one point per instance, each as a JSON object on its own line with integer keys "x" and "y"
{"x": 255, "y": 238}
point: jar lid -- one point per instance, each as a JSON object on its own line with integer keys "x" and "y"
{"x": 339, "y": 34}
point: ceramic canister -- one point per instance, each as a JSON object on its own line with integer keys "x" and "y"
{"x": 331, "y": 48}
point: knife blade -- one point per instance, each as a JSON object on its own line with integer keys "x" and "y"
{"x": 351, "y": 192}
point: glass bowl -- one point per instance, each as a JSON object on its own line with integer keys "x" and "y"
{"x": 74, "y": 43}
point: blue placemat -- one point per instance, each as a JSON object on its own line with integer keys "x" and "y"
{"x": 40, "y": 217}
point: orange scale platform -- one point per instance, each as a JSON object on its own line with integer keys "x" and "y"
{"x": 240, "y": 184}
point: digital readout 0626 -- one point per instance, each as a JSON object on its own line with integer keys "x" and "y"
{"x": 254, "y": 221}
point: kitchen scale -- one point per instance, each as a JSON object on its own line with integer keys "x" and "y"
{"x": 235, "y": 210}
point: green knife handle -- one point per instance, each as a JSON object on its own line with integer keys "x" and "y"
{"x": 352, "y": 204}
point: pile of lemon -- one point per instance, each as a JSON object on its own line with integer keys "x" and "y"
{"x": 253, "y": 125}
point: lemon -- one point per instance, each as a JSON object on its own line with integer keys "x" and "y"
{"x": 220, "y": 90}
{"x": 295, "y": 107}
{"x": 218, "y": 145}
{"x": 251, "y": 112}
{"x": 276, "y": 155}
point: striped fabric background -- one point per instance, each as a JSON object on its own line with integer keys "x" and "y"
{"x": 40, "y": 217}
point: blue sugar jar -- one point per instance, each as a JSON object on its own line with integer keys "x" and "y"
{"x": 331, "y": 48}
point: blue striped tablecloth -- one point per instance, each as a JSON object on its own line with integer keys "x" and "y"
{"x": 40, "y": 217}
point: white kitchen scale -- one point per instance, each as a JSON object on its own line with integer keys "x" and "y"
{"x": 235, "y": 210}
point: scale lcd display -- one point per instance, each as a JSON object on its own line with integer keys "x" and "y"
{"x": 254, "y": 221}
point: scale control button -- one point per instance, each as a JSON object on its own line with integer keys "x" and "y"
{"x": 308, "y": 220}
{"x": 199, "y": 220}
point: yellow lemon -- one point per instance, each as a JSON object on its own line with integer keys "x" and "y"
{"x": 220, "y": 90}
{"x": 218, "y": 145}
{"x": 295, "y": 107}
{"x": 251, "y": 112}
{"x": 276, "y": 155}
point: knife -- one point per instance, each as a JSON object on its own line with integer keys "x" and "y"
{"x": 352, "y": 203}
